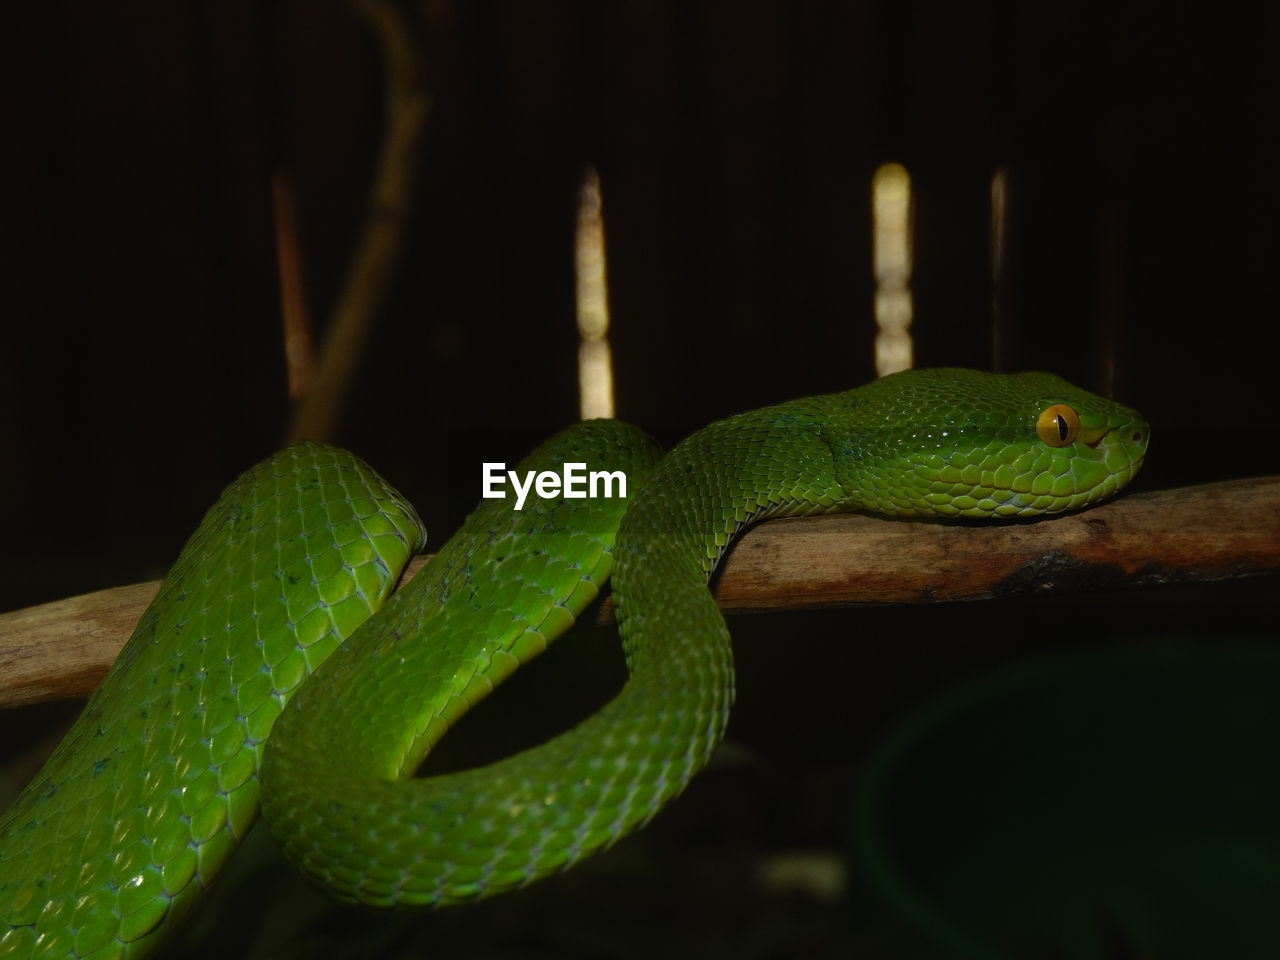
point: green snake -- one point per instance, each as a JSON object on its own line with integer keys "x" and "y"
{"x": 163, "y": 773}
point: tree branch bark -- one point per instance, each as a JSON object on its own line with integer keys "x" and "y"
{"x": 1212, "y": 532}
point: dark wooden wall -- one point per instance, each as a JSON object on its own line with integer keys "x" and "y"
{"x": 141, "y": 364}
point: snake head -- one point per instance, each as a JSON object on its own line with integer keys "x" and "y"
{"x": 960, "y": 443}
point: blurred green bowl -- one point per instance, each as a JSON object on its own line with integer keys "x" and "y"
{"x": 1124, "y": 804}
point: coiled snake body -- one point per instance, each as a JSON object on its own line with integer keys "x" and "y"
{"x": 162, "y": 774}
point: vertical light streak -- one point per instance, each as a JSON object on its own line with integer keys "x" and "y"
{"x": 999, "y": 266}
{"x": 595, "y": 363}
{"x": 891, "y": 254}
{"x": 299, "y": 353}
{"x": 999, "y": 205}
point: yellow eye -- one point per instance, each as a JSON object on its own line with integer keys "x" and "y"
{"x": 1057, "y": 425}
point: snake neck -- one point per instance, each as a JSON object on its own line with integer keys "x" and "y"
{"x": 775, "y": 462}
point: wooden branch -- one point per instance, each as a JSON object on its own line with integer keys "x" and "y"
{"x": 373, "y": 266}
{"x": 1211, "y": 532}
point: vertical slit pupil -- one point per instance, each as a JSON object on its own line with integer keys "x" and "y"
{"x": 1062, "y": 428}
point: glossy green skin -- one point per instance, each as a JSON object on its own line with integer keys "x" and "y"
{"x": 337, "y": 786}
{"x": 150, "y": 791}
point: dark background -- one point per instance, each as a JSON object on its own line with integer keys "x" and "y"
{"x": 142, "y": 368}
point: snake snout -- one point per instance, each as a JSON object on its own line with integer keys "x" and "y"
{"x": 1125, "y": 447}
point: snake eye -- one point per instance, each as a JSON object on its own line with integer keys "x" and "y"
{"x": 1057, "y": 425}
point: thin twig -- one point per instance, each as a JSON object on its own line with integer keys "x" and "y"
{"x": 377, "y": 256}
{"x": 299, "y": 351}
